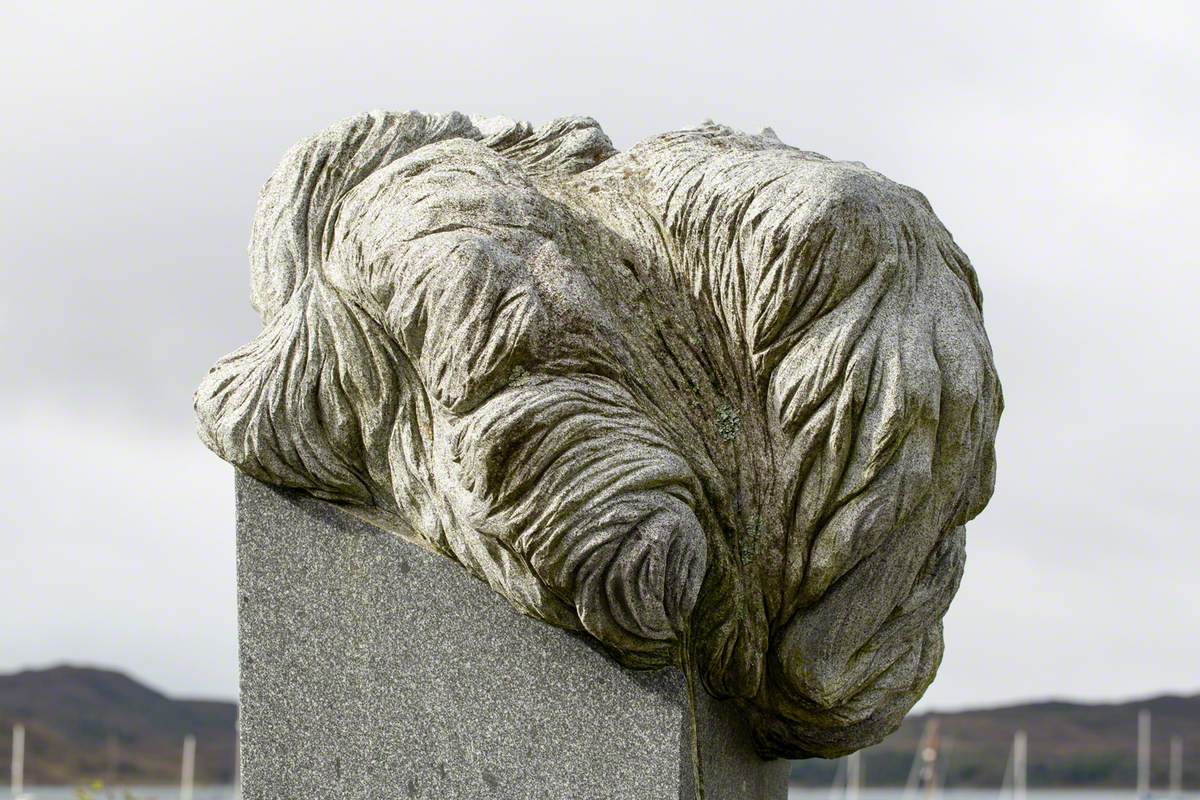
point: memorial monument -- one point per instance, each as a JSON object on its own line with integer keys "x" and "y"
{"x": 712, "y": 411}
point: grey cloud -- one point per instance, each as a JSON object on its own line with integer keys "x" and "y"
{"x": 1053, "y": 139}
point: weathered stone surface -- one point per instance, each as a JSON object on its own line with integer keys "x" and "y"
{"x": 715, "y": 401}
{"x": 372, "y": 668}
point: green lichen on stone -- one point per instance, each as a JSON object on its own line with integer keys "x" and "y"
{"x": 729, "y": 423}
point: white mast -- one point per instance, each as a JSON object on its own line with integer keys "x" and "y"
{"x": 18, "y": 761}
{"x": 924, "y": 765}
{"x": 1019, "y": 759}
{"x": 1176, "y": 767}
{"x": 839, "y": 776}
{"x": 1143, "y": 754}
{"x": 189, "y": 768}
{"x": 853, "y": 775}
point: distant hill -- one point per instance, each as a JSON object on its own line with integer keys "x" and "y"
{"x": 84, "y": 724}
{"x": 1069, "y": 744}
{"x": 89, "y": 724}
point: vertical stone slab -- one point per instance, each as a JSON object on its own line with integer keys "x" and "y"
{"x": 372, "y": 668}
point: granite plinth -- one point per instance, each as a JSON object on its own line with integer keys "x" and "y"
{"x": 373, "y": 668}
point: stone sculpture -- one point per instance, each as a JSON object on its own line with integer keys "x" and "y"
{"x": 717, "y": 402}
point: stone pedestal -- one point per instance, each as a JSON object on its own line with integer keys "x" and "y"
{"x": 372, "y": 668}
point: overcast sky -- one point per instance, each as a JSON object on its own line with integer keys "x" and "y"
{"x": 1058, "y": 142}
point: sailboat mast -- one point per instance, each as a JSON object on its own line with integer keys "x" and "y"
{"x": 930, "y": 757}
{"x": 853, "y": 775}
{"x": 187, "y": 773}
{"x": 1143, "y": 754}
{"x": 18, "y": 760}
{"x": 1176, "y": 766}
{"x": 922, "y": 763}
{"x": 1019, "y": 765}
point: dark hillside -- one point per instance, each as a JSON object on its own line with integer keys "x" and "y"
{"x": 1070, "y": 744}
{"x": 83, "y": 724}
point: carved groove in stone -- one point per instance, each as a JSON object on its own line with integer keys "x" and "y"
{"x": 713, "y": 384}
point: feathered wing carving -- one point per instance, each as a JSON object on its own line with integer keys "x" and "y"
{"x": 712, "y": 386}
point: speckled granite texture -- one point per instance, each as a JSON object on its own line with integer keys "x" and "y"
{"x": 372, "y": 668}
